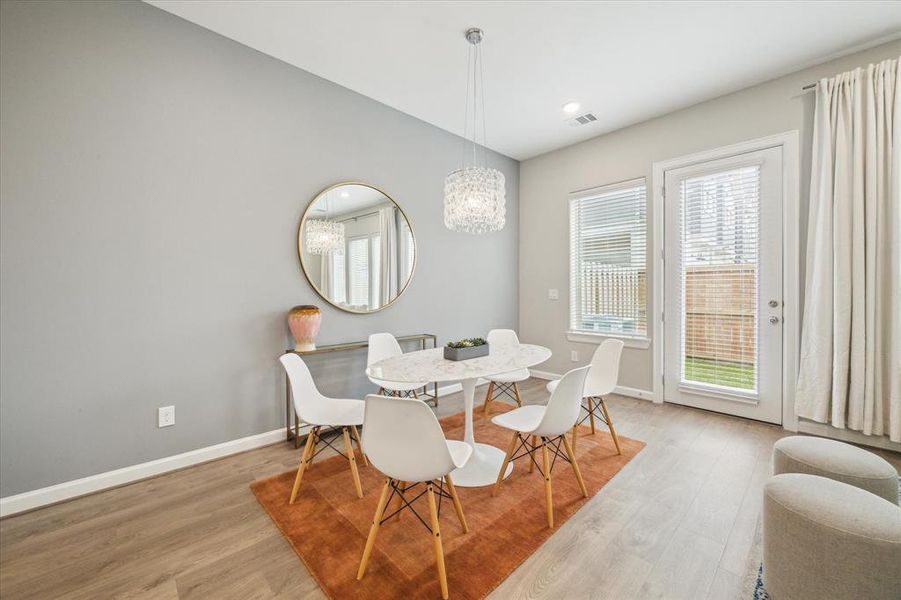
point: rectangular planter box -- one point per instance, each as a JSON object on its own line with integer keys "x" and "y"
{"x": 465, "y": 353}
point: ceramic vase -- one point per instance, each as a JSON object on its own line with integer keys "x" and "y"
{"x": 304, "y": 323}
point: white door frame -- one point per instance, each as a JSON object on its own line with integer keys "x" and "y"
{"x": 791, "y": 283}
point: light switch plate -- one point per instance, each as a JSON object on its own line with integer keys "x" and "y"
{"x": 553, "y": 294}
{"x": 166, "y": 416}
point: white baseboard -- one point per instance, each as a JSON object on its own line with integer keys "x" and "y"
{"x": 620, "y": 389}
{"x": 547, "y": 375}
{"x": 847, "y": 435}
{"x": 634, "y": 393}
{"x": 94, "y": 483}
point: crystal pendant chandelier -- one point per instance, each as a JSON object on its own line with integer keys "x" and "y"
{"x": 474, "y": 194}
{"x": 324, "y": 236}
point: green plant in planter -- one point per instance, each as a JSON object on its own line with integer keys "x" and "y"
{"x": 467, "y": 343}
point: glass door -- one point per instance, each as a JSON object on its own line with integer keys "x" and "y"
{"x": 723, "y": 285}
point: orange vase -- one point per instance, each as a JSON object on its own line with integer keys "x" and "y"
{"x": 304, "y": 323}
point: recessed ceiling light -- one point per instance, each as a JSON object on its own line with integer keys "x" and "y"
{"x": 345, "y": 194}
{"x": 571, "y": 107}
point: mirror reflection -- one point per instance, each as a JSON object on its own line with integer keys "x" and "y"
{"x": 356, "y": 247}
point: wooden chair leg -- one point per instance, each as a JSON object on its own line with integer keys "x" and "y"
{"x": 591, "y": 414}
{"x": 572, "y": 460}
{"x": 575, "y": 435}
{"x": 610, "y": 426}
{"x": 436, "y": 537}
{"x": 348, "y": 447}
{"x": 457, "y": 506}
{"x": 356, "y": 433}
{"x": 415, "y": 395}
{"x": 488, "y": 396}
{"x": 516, "y": 393}
{"x": 532, "y": 453}
{"x": 500, "y": 476}
{"x": 548, "y": 496}
{"x": 305, "y": 458}
{"x": 374, "y": 529}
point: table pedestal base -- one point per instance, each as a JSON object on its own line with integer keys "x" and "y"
{"x": 482, "y": 467}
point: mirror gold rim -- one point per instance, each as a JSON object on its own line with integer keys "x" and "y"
{"x": 303, "y": 265}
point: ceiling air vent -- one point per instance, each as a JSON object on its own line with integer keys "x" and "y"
{"x": 582, "y": 120}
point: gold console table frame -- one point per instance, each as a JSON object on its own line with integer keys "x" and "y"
{"x": 292, "y": 425}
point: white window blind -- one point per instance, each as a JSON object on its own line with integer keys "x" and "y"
{"x": 358, "y": 271}
{"x": 339, "y": 277}
{"x": 608, "y": 235}
{"x": 720, "y": 250}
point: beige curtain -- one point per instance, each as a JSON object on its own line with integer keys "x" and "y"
{"x": 326, "y": 275}
{"x": 389, "y": 254}
{"x": 850, "y": 368}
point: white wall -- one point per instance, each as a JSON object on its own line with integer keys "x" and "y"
{"x": 546, "y": 181}
{"x": 152, "y": 176}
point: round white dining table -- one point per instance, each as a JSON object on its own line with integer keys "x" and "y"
{"x": 430, "y": 365}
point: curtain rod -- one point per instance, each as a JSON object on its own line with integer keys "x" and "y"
{"x": 354, "y": 218}
{"x": 809, "y": 86}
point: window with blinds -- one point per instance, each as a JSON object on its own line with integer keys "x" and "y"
{"x": 608, "y": 279}
{"x": 358, "y": 271}
{"x": 719, "y": 272}
{"x": 339, "y": 276}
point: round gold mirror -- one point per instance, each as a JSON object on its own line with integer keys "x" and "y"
{"x": 356, "y": 247}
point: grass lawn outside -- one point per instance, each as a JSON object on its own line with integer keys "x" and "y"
{"x": 730, "y": 374}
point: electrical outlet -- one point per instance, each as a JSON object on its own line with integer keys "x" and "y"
{"x": 553, "y": 294}
{"x": 166, "y": 416}
{"x": 574, "y": 356}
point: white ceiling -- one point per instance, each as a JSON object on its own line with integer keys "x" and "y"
{"x": 347, "y": 199}
{"x": 623, "y": 61}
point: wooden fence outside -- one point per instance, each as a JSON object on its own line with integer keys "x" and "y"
{"x": 720, "y": 313}
{"x": 720, "y": 302}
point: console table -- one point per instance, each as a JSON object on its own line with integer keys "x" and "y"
{"x": 292, "y": 424}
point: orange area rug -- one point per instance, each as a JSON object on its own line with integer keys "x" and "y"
{"x": 327, "y": 525}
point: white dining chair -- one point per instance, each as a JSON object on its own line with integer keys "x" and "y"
{"x": 544, "y": 428}
{"x": 404, "y": 440}
{"x": 601, "y": 380}
{"x": 319, "y": 411}
{"x": 382, "y": 346}
{"x": 504, "y": 383}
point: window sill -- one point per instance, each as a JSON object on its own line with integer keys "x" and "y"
{"x": 596, "y": 338}
{"x": 720, "y": 392}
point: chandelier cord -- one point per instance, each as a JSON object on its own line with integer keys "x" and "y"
{"x": 475, "y": 81}
{"x": 466, "y": 105}
{"x": 475, "y": 104}
{"x": 484, "y": 119}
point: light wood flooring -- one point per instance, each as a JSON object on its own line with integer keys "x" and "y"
{"x": 676, "y": 522}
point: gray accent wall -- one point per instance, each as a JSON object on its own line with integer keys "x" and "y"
{"x": 547, "y": 180}
{"x": 152, "y": 176}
